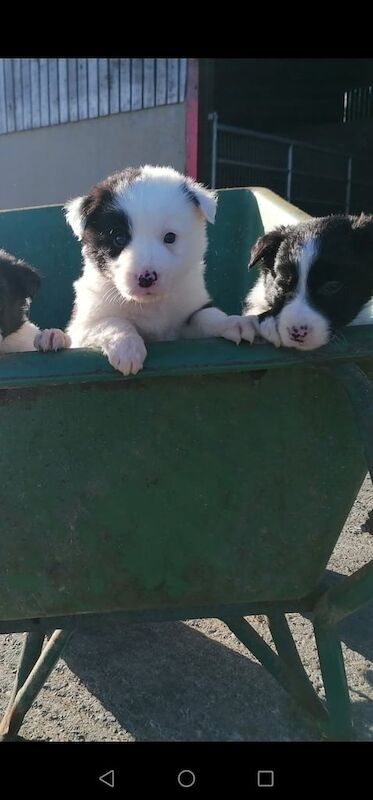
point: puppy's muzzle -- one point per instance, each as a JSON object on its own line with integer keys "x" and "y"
{"x": 299, "y": 334}
{"x": 147, "y": 279}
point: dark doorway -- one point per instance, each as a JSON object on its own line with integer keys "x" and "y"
{"x": 325, "y": 103}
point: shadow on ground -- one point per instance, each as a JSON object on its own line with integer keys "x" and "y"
{"x": 169, "y": 681}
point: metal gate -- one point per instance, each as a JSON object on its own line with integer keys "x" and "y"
{"x": 317, "y": 179}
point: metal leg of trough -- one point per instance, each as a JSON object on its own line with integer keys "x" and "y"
{"x": 357, "y": 589}
{"x": 335, "y": 604}
{"x": 287, "y": 651}
{"x": 33, "y": 683}
{"x": 285, "y": 666}
{"x": 31, "y": 649}
{"x": 335, "y": 681}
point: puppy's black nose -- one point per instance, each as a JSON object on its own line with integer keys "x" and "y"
{"x": 147, "y": 279}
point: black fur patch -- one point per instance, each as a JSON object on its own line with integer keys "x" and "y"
{"x": 18, "y": 281}
{"x": 340, "y": 278}
{"x": 190, "y": 194}
{"x": 103, "y": 220}
{"x": 266, "y": 247}
{"x": 210, "y": 304}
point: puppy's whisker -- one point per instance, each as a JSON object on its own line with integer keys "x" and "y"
{"x": 112, "y": 296}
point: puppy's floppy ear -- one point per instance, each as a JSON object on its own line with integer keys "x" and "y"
{"x": 26, "y": 279}
{"x": 204, "y": 199}
{"x": 362, "y": 227}
{"x": 75, "y": 216}
{"x": 266, "y": 247}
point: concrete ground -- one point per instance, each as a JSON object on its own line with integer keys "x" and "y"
{"x": 193, "y": 681}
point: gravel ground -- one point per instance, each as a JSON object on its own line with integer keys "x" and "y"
{"x": 193, "y": 681}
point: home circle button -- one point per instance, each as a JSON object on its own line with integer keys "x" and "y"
{"x": 186, "y": 778}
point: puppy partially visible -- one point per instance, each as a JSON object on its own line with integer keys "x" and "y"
{"x": 18, "y": 284}
{"x": 316, "y": 277}
{"x": 143, "y": 234}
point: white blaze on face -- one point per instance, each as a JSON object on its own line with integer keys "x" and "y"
{"x": 300, "y": 325}
{"x": 156, "y": 205}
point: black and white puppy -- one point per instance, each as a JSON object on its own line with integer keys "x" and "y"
{"x": 316, "y": 277}
{"x": 143, "y": 234}
{"x": 18, "y": 284}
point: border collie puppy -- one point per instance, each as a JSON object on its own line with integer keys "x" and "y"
{"x": 18, "y": 284}
{"x": 143, "y": 234}
{"x": 315, "y": 278}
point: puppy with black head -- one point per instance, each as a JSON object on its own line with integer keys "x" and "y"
{"x": 143, "y": 234}
{"x": 19, "y": 283}
{"x": 315, "y": 278}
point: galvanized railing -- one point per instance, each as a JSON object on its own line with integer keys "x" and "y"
{"x": 319, "y": 179}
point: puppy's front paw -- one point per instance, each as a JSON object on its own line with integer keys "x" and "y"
{"x": 127, "y": 355}
{"x": 249, "y": 328}
{"x": 268, "y": 330}
{"x": 232, "y": 329}
{"x": 51, "y": 339}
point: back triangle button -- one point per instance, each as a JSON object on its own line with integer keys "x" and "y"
{"x": 108, "y": 778}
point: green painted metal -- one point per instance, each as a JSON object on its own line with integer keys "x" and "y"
{"x": 360, "y": 392}
{"x": 287, "y": 651}
{"x": 148, "y": 494}
{"x": 355, "y": 591}
{"x": 41, "y": 236}
{"x": 215, "y": 482}
{"x": 335, "y": 683}
{"x": 303, "y": 605}
{"x": 286, "y": 671}
{"x": 238, "y": 225}
{"x": 180, "y": 358}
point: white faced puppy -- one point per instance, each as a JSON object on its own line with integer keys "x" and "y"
{"x": 316, "y": 277}
{"x": 143, "y": 242}
{"x": 18, "y": 284}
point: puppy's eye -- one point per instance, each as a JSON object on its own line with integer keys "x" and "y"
{"x": 330, "y": 287}
{"x": 119, "y": 239}
{"x": 169, "y": 238}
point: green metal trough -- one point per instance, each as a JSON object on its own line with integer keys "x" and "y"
{"x": 215, "y": 483}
